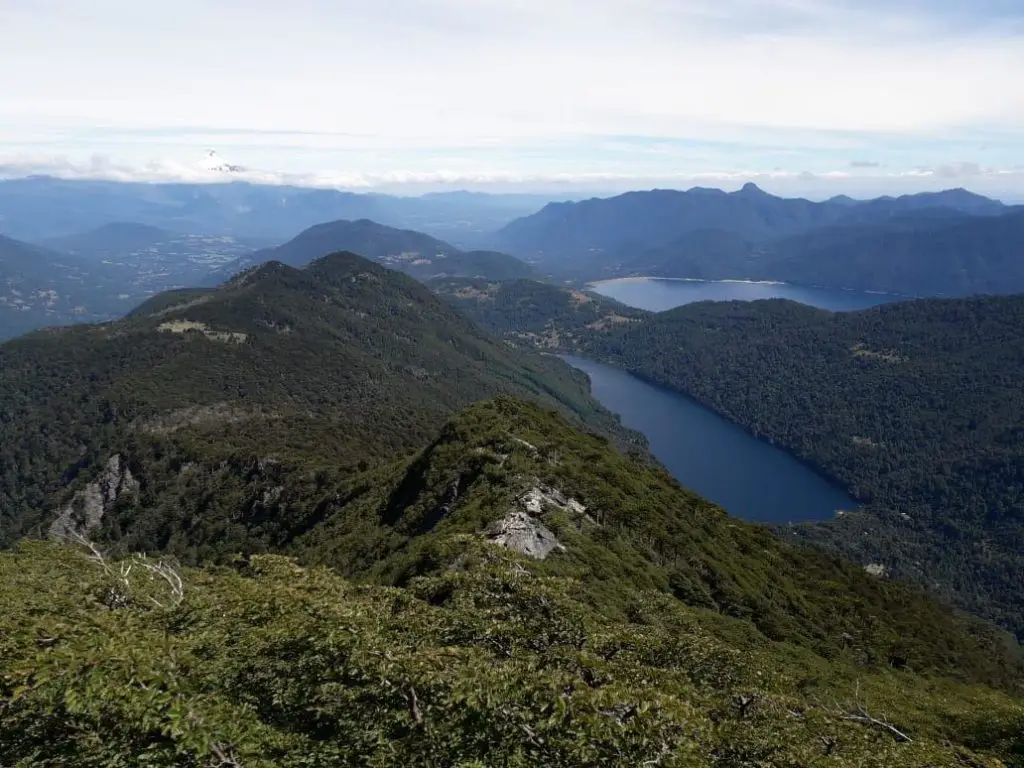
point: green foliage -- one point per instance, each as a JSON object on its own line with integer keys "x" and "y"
{"x": 539, "y": 314}
{"x": 278, "y": 665}
{"x": 342, "y": 363}
{"x": 914, "y": 408}
{"x": 640, "y": 533}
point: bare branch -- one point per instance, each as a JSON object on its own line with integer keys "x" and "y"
{"x": 864, "y": 717}
{"x": 414, "y": 706}
{"x": 223, "y": 757}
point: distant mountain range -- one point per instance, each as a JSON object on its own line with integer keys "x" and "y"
{"x": 40, "y": 208}
{"x": 414, "y": 253}
{"x": 947, "y": 243}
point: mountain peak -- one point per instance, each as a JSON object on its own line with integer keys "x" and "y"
{"x": 750, "y": 189}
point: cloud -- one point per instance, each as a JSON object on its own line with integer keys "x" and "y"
{"x": 488, "y": 89}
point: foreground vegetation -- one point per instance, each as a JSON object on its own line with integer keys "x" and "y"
{"x": 275, "y": 665}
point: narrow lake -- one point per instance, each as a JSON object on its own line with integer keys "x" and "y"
{"x": 750, "y": 478}
{"x": 658, "y": 294}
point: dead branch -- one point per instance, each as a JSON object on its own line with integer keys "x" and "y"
{"x": 859, "y": 714}
{"x": 863, "y": 717}
{"x": 223, "y": 757}
{"x": 414, "y": 706}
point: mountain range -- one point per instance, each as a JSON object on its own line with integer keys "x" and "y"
{"x": 949, "y": 243}
{"x": 41, "y": 207}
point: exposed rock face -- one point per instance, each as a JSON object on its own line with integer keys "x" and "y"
{"x": 521, "y": 533}
{"x": 876, "y": 569}
{"x": 521, "y": 529}
{"x": 87, "y": 508}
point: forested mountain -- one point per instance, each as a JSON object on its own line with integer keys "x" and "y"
{"x": 538, "y": 314}
{"x": 557, "y": 604}
{"x": 40, "y": 287}
{"x": 915, "y": 408}
{"x": 341, "y": 363}
{"x": 42, "y": 207}
{"x": 949, "y": 243}
{"x": 924, "y": 255}
{"x": 414, "y": 253}
{"x": 524, "y": 593}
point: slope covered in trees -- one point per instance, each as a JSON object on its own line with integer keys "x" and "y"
{"x": 915, "y": 408}
{"x": 422, "y": 256}
{"x": 538, "y": 314}
{"x": 341, "y": 363}
{"x": 658, "y": 629}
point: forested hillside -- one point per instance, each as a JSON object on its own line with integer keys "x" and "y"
{"x": 422, "y": 256}
{"x": 557, "y": 604}
{"x": 915, "y": 408}
{"x": 538, "y": 314}
{"x": 926, "y": 255}
{"x": 339, "y": 364}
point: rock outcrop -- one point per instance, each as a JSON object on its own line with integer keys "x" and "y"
{"x": 520, "y": 532}
{"x": 521, "y": 529}
{"x": 86, "y": 509}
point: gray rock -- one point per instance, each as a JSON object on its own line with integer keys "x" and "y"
{"x": 87, "y": 508}
{"x": 523, "y": 534}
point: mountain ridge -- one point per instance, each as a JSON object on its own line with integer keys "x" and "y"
{"x": 414, "y": 253}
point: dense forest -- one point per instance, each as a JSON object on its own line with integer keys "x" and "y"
{"x": 340, "y": 364}
{"x": 535, "y": 313}
{"x": 657, "y": 630}
{"x": 379, "y": 534}
{"x": 915, "y": 408}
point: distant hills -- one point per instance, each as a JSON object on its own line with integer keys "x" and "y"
{"x": 948, "y": 243}
{"x": 39, "y": 208}
{"x": 422, "y": 256}
{"x": 151, "y": 260}
{"x": 101, "y": 274}
{"x": 41, "y": 287}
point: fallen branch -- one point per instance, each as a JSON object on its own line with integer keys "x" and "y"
{"x": 863, "y": 717}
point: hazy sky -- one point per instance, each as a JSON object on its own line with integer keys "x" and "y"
{"x": 802, "y": 96}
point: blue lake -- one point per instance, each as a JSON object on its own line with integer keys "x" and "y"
{"x": 750, "y": 478}
{"x": 658, "y": 294}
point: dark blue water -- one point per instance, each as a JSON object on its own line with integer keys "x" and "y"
{"x": 750, "y": 478}
{"x": 658, "y": 294}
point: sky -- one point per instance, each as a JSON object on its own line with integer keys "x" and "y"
{"x": 805, "y": 97}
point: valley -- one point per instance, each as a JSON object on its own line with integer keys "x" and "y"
{"x": 766, "y": 505}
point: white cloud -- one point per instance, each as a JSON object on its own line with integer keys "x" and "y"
{"x": 492, "y": 87}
